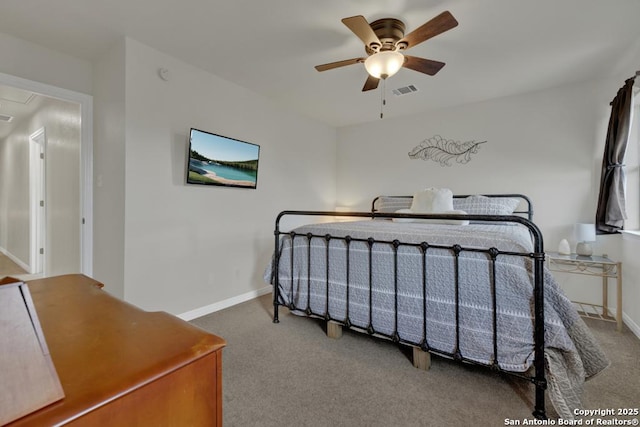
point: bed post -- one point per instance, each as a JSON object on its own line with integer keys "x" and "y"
{"x": 538, "y": 276}
{"x": 274, "y": 271}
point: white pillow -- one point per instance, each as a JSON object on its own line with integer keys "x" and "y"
{"x": 433, "y": 221}
{"x": 483, "y": 205}
{"x": 391, "y": 204}
{"x": 406, "y": 211}
{"x": 432, "y": 200}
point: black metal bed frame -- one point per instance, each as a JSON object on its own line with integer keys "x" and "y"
{"x": 537, "y": 256}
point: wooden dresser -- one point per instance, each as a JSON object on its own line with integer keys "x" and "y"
{"x": 122, "y": 366}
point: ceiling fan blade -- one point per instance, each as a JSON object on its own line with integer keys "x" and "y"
{"x": 361, "y": 28}
{"x": 332, "y": 65}
{"x": 438, "y": 25}
{"x": 426, "y": 66}
{"x": 370, "y": 84}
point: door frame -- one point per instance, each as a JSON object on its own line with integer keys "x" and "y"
{"x": 86, "y": 157}
{"x": 37, "y": 205}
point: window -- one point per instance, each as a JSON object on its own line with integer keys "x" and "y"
{"x": 632, "y": 169}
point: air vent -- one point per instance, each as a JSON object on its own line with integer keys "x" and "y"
{"x": 405, "y": 90}
{"x": 5, "y": 118}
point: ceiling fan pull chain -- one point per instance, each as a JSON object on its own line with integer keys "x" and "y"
{"x": 383, "y": 97}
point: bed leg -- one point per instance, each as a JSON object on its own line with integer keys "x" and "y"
{"x": 421, "y": 359}
{"x": 334, "y": 330}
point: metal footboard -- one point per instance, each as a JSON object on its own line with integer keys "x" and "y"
{"x": 492, "y": 254}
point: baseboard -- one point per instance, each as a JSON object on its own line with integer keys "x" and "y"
{"x": 9, "y": 255}
{"x": 230, "y": 302}
{"x": 626, "y": 319}
{"x": 633, "y": 326}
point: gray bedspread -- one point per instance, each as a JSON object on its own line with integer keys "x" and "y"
{"x": 572, "y": 354}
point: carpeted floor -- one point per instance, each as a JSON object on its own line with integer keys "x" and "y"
{"x": 291, "y": 374}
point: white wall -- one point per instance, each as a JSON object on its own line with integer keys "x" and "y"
{"x": 33, "y": 62}
{"x": 631, "y": 282}
{"x": 543, "y": 144}
{"x": 108, "y": 168}
{"x": 189, "y": 246}
{"x": 539, "y": 144}
{"x": 61, "y": 121}
{"x": 14, "y": 197}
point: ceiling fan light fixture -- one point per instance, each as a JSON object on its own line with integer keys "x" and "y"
{"x": 382, "y": 65}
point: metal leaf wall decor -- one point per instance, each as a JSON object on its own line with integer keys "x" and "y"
{"x": 444, "y": 151}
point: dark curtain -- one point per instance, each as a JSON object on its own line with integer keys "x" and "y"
{"x": 611, "y": 211}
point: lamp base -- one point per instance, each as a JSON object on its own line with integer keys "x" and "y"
{"x": 584, "y": 249}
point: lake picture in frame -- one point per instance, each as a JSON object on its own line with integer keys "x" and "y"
{"x": 219, "y": 160}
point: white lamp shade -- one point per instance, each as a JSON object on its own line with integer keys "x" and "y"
{"x": 585, "y": 232}
{"x": 384, "y": 64}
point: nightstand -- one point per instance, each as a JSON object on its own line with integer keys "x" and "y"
{"x": 592, "y": 266}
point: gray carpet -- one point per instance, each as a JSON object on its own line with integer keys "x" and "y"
{"x": 291, "y": 374}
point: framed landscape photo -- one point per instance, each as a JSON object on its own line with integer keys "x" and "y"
{"x": 218, "y": 160}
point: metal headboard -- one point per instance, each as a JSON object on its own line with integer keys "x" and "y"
{"x": 527, "y": 210}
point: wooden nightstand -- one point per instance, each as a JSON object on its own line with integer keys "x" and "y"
{"x": 592, "y": 266}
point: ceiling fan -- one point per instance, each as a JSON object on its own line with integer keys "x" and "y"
{"x": 384, "y": 40}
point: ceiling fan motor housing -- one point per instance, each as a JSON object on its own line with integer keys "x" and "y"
{"x": 389, "y": 31}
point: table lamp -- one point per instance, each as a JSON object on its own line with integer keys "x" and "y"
{"x": 584, "y": 233}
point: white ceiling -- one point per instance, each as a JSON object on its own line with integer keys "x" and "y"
{"x": 500, "y": 48}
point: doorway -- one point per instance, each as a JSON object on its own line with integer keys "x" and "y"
{"x": 37, "y": 240}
